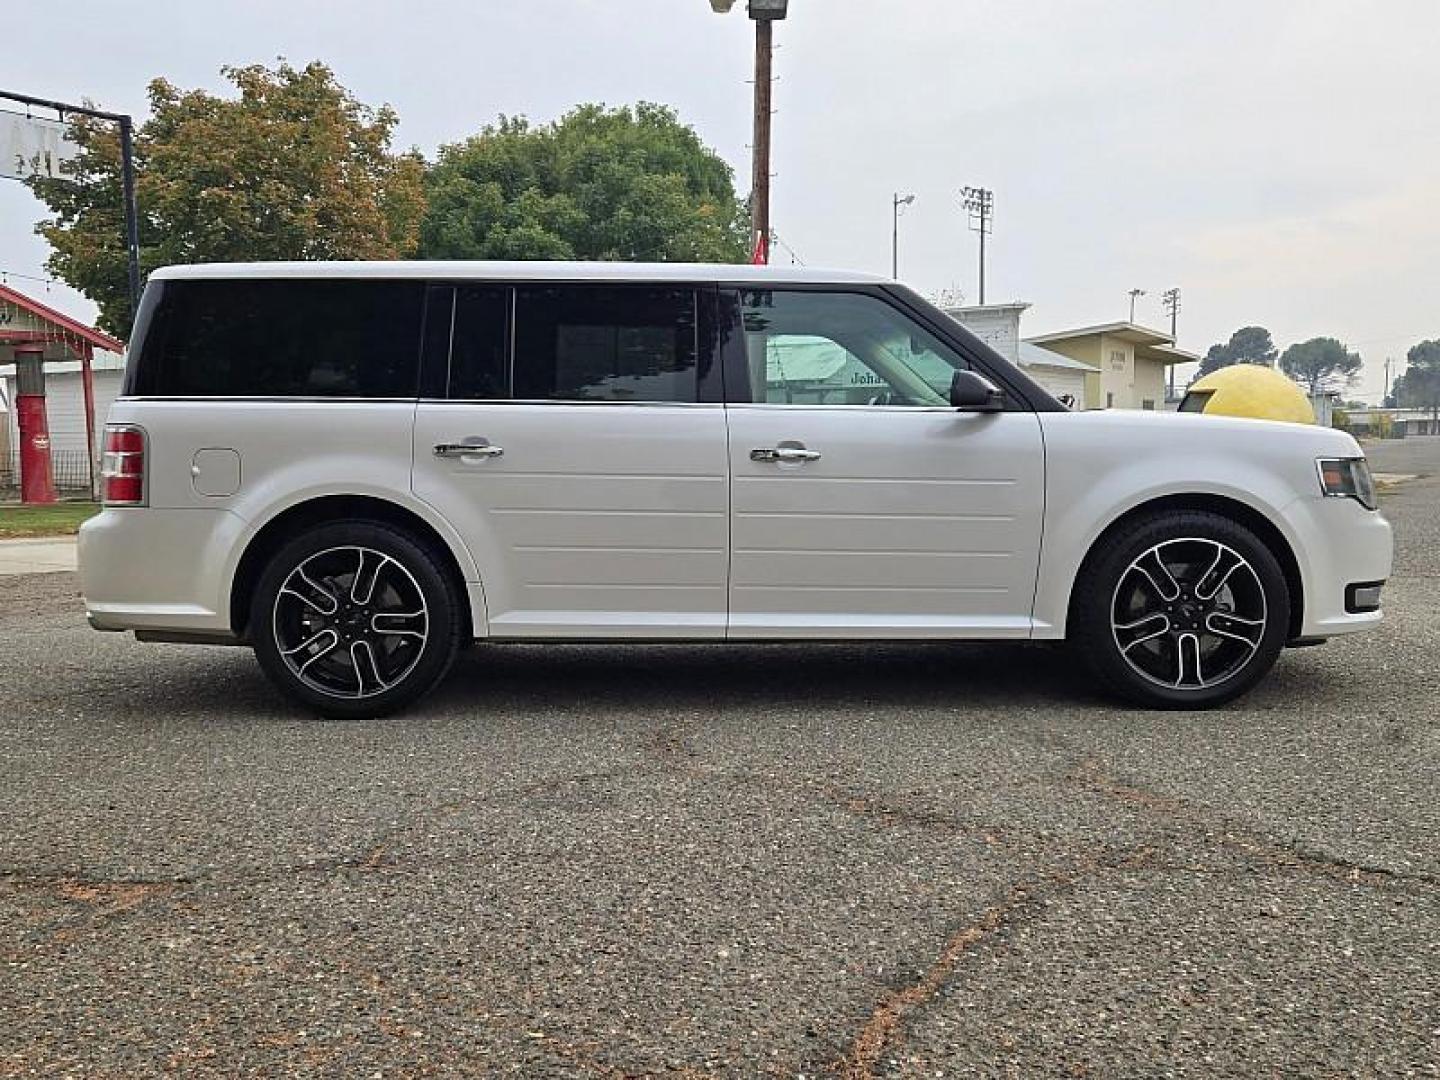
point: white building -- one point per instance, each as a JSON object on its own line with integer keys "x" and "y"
{"x": 998, "y": 325}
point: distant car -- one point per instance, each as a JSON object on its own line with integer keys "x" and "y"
{"x": 358, "y": 468}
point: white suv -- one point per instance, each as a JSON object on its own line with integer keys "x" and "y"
{"x": 358, "y": 468}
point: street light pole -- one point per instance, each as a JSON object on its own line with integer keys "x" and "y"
{"x": 1134, "y": 294}
{"x": 896, "y": 203}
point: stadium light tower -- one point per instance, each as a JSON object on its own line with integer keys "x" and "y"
{"x": 979, "y": 203}
{"x": 765, "y": 14}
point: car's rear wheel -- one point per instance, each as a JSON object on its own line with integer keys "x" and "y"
{"x": 355, "y": 619}
{"x": 1181, "y": 609}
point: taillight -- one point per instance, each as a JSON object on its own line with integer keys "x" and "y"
{"x": 122, "y": 466}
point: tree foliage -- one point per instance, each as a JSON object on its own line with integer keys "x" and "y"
{"x": 294, "y": 168}
{"x": 1320, "y": 364}
{"x": 628, "y": 184}
{"x": 1248, "y": 345}
{"x": 1419, "y": 386}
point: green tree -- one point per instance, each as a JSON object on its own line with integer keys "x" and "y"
{"x": 294, "y": 168}
{"x": 630, "y": 184}
{"x": 1419, "y": 386}
{"x": 1248, "y": 345}
{"x": 1320, "y": 364}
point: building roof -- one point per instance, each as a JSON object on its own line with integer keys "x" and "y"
{"x": 1154, "y": 345}
{"x": 1036, "y": 356}
{"x": 1125, "y": 331}
{"x": 1169, "y": 354}
{"x": 522, "y": 271}
{"x": 965, "y": 309}
{"x": 67, "y": 326}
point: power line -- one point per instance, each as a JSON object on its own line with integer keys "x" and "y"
{"x": 7, "y": 274}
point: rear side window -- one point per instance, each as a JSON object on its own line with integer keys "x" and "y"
{"x": 282, "y": 338}
{"x": 605, "y": 343}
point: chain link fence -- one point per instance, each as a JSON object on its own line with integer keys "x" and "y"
{"x": 71, "y": 471}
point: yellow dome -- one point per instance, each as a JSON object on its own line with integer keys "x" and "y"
{"x": 1260, "y": 393}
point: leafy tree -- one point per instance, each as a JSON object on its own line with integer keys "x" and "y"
{"x": 1217, "y": 357}
{"x": 628, "y": 184}
{"x": 1248, "y": 345}
{"x": 295, "y": 168}
{"x": 1419, "y": 386}
{"x": 1320, "y": 364}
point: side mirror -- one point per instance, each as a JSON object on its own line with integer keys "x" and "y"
{"x": 972, "y": 392}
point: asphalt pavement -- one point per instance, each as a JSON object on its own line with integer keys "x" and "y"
{"x": 912, "y": 860}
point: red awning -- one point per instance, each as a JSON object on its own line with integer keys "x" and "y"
{"x": 66, "y": 328}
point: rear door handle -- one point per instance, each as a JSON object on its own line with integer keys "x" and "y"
{"x": 464, "y": 450}
{"x": 785, "y": 453}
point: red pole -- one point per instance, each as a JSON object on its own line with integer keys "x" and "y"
{"x": 87, "y": 380}
{"x": 37, "y": 481}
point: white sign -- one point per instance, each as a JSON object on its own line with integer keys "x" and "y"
{"x": 32, "y": 147}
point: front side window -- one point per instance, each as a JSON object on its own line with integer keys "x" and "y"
{"x": 837, "y": 348}
{"x": 283, "y": 338}
{"x": 605, "y": 343}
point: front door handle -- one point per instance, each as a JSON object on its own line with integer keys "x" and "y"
{"x": 464, "y": 450}
{"x": 785, "y": 453}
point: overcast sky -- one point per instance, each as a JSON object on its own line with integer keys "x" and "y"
{"x": 1278, "y": 160}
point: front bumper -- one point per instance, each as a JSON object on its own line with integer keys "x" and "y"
{"x": 1343, "y": 550}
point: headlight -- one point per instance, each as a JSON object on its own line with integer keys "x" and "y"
{"x": 1347, "y": 478}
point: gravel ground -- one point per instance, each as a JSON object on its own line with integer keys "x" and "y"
{"x": 911, "y": 860}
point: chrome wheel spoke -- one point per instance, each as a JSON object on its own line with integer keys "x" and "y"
{"x": 1152, "y": 568}
{"x": 332, "y": 642}
{"x": 310, "y": 592}
{"x": 1247, "y": 631}
{"x": 1189, "y": 661}
{"x": 367, "y": 575}
{"x": 1146, "y": 628}
{"x": 1226, "y": 563}
{"x": 405, "y": 624}
{"x": 362, "y": 659}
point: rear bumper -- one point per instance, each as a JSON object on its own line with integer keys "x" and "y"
{"x": 1343, "y": 548}
{"x": 143, "y": 568}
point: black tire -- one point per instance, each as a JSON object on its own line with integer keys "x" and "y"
{"x": 397, "y": 638}
{"x": 1159, "y": 568}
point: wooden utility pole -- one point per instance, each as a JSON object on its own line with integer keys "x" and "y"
{"x": 760, "y": 188}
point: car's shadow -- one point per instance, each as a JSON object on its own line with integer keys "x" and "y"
{"x": 668, "y": 679}
{"x": 716, "y": 677}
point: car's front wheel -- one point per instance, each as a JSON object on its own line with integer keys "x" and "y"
{"x": 1182, "y": 609}
{"x": 355, "y": 619}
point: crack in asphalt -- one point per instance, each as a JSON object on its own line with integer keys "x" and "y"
{"x": 1090, "y": 776}
{"x": 884, "y": 1027}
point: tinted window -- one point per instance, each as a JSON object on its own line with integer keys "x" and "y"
{"x": 835, "y": 348}
{"x": 605, "y": 343}
{"x": 479, "y": 343}
{"x": 283, "y": 338}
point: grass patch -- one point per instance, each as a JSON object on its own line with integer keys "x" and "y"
{"x": 57, "y": 519}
